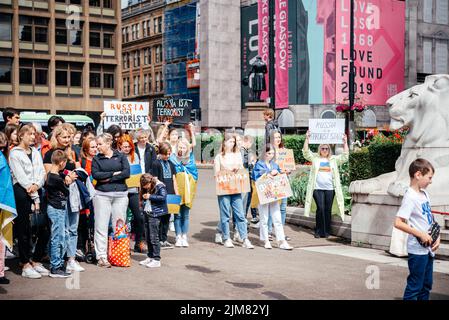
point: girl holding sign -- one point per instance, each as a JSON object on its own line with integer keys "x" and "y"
{"x": 267, "y": 168}
{"x": 324, "y": 184}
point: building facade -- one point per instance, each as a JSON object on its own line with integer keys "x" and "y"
{"x": 142, "y": 50}
{"x": 60, "y": 56}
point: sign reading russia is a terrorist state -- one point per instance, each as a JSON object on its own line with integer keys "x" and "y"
{"x": 128, "y": 115}
{"x": 326, "y": 131}
{"x": 176, "y": 111}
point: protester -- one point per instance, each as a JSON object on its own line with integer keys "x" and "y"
{"x": 116, "y": 132}
{"x": 86, "y": 134}
{"x": 28, "y": 175}
{"x": 88, "y": 152}
{"x": 54, "y": 122}
{"x": 165, "y": 171}
{"x": 162, "y": 132}
{"x": 61, "y": 140}
{"x": 415, "y": 218}
{"x": 230, "y": 159}
{"x": 267, "y": 167}
{"x": 186, "y": 179}
{"x": 324, "y": 184}
{"x": 11, "y": 116}
{"x": 154, "y": 196}
{"x": 173, "y": 137}
{"x": 126, "y": 146}
{"x": 57, "y": 194}
{"x": 270, "y": 124}
{"x": 110, "y": 168}
{"x": 145, "y": 151}
{"x": 11, "y": 131}
{"x": 40, "y": 143}
{"x": 77, "y": 138}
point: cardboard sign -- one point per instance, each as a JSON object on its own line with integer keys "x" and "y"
{"x": 285, "y": 159}
{"x": 326, "y": 131}
{"x": 176, "y": 111}
{"x": 228, "y": 182}
{"x": 128, "y": 115}
{"x": 271, "y": 189}
{"x": 135, "y": 173}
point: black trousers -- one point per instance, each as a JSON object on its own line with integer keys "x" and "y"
{"x": 137, "y": 223}
{"x": 323, "y": 200}
{"x": 152, "y": 230}
{"x": 164, "y": 226}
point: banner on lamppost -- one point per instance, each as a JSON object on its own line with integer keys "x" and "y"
{"x": 264, "y": 40}
{"x": 281, "y": 54}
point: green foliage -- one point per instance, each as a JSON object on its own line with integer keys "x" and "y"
{"x": 296, "y": 142}
{"x": 299, "y": 188}
{"x": 383, "y": 155}
{"x": 360, "y": 165}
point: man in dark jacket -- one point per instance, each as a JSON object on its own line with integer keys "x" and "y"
{"x": 270, "y": 124}
{"x": 145, "y": 151}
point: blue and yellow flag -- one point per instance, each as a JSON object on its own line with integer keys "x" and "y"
{"x": 134, "y": 179}
{"x": 8, "y": 210}
{"x": 173, "y": 203}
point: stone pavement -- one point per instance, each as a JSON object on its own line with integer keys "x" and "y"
{"x": 315, "y": 269}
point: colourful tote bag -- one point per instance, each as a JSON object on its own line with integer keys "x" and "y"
{"x": 173, "y": 203}
{"x": 119, "y": 253}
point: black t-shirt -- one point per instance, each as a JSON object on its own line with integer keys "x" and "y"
{"x": 57, "y": 191}
{"x": 70, "y": 164}
{"x": 159, "y": 168}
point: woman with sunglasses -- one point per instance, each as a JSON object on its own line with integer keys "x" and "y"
{"x": 324, "y": 184}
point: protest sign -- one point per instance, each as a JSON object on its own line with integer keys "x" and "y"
{"x": 228, "y": 182}
{"x": 271, "y": 189}
{"x": 329, "y": 131}
{"x": 128, "y": 115}
{"x": 135, "y": 173}
{"x": 176, "y": 111}
{"x": 285, "y": 159}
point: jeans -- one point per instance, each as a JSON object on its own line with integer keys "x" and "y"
{"x": 163, "y": 227}
{"x": 152, "y": 228}
{"x": 283, "y": 208}
{"x": 138, "y": 228}
{"x": 419, "y": 281}
{"x": 225, "y": 204}
{"x": 271, "y": 210}
{"x": 182, "y": 220}
{"x": 72, "y": 219}
{"x": 104, "y": 207}
{"x": 58, "y": 234}
{"x": 323, "y": 200}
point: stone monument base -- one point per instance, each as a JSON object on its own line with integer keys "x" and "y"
{"x": 255, "y": 124}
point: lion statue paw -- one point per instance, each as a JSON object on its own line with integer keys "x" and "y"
{"x": 365, "y": 186}
{"x": 397, "y": 189}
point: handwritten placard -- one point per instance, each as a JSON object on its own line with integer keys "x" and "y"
{"x": 271, "y": 189}
{"x": 228, "y": 182}
{"x": 128, "y": 115}
{"x": 285, "y": 159}
{"x": 176, "y": 111}
{"x": 329, "y": 131}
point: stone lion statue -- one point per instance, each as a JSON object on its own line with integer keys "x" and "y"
{"x": 425, "y": 110}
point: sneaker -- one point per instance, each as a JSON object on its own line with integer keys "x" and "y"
{"x": 255, "y": 220}
{"x": 256, "y": 225}
{"x": 237, "y": 237}
{"x": 285, "y": 246}
{"x": 145, "y": 262}
{"x": 59, "y": 273}
{"x": 10, "y": 255}
{"x": 270, "y": 237}
{"x": 228, "y": 243}
{"x": 103, "y": 262}
{"x": 166, "y": 245}
{"x": 247, "y": 244}
{"x": 185, "y": 244}
{"x": 171, "y": 226}
{"x": 154, "y": 264}
{"x": 179, "y": 241}
{"x": 74, "y": 266}
{"x": 6, "y": 268}
{"x": 287, "y": 238}
{"x": 4, "y": 280}
{"x": 31, "y": 273}
{"x": 218, "y": 238}
{"x": 79, "y": 254}
{"x": 40, "y": 268}
{"x": 267, "y": 245}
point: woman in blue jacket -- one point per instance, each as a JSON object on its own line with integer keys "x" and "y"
{"x": 267, "y": 167}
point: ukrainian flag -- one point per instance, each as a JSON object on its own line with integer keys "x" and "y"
{"x": 173, "y": 203}
{"x": 135, "y": 173}
{"x": 8, "y": 210}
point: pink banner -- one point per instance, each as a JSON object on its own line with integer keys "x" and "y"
{"x": 281, "y": 54}
{"x": 379, "y": 29}
{"x": 264, "y": 42}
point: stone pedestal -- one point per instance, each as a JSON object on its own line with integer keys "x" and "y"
{"x": 255, "y": 125}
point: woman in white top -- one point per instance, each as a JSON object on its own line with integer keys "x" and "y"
{"x": 230, "y": 159}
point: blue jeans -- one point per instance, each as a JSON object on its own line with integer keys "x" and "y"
{"x": 182, "y": 220}
{"x": 225, "y": 203}
{"x": 283, "y": 206}
{"x": 57, "y": 238}
{"x": 419, "y": 281}
{"x": 71, "y": 232}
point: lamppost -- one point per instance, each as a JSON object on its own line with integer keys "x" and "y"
{"x": 271, "y": 78}
{"x": 349, "y": 116}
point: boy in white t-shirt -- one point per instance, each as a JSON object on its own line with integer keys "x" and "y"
{"x": 415, "y": 210}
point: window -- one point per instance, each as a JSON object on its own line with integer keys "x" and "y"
{"x": 124, "y": 35}
{"x": 5, "y": 27}
{"x": 61, "y": 36}
{"x": 145, "y": 56}
{"x": 76, "y": 78}
{"x": 136, "y": 58}
{"x": 442, "y": 11}
{"x": 29, "y": 26}
{"x": 94, "y": 3}
{"x": 5, "y": 70}
{"x": 150, "y": 83}
{"x": 155, "y": 25}
{"x": 136, "y": 85}
{"x": 427, "y": 11}
{"x": 133, "y": 35}
{"x": 145, "y": 83}
{"x": 158, "y": 54}
{"x": 441, "y": 56}
{"x": 107, "y": 40}
{"x": 108, "y": 80}
{"x": 138, "y": 31}
{"x": 149, "y": 28}
{"x": 101, "y": 35}
{"x": 125, "y": 87}
{"x": 102, "y": 76}
{"x": 95, "y": 79}
{"x": 125, "y": 60}
{"x": 25, "y": 28}
{"x": 107, "y": 4}
{"x": 68, "y": 36}
{"x": 61, "y": 77}
{"x": 159, "y": 25}
{"x": 158, "y": 79}
{"x": 427, "y": 56}
{"x": 38, "y": 68}
{"x": 69, "y": 74}
{"x": 95, "y": 39}
{"x": 144, "y": 28}
{"x": 41, "y": 73}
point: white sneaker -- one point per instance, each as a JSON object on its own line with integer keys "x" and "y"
{"x": 285, "y": 246}
{"x": 218, "y": 238}
{"x": 247, "y": 244}
{"x": 268, "y": 245}
{"x": 9, "y": 255}
{"x": 171, "y": 226}
{"x": 74, "y": 266}
{"x": 145, "y": 262}
{"x": 40, "y": 268}
{"x": 6, "y": 268}
{"x": 237, "y": 237}
{"x": 179, "y": 241}
{"x": 228, "y": 243}
{"x": 31, "y": 273}
{"x": 184, "y": 240}
{"x": 154, "y": 264}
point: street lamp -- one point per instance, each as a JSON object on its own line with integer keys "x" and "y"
{"x": 349, "y": 116}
